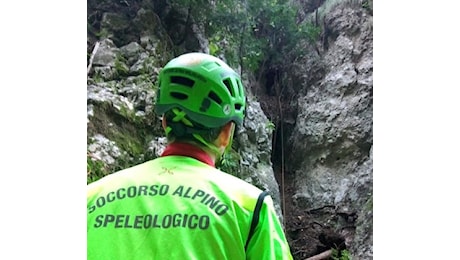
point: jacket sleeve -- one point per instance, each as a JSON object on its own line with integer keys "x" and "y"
{"x": 268, "y": 240}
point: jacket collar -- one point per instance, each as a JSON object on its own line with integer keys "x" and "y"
{"x": 188, "y": 150}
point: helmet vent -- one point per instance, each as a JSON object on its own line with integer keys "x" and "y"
{"x": 215, "y": 97}
{"x": 182, "y": 81}
{"x": 179, "y": 95}
{"x": 238, "y": 107}
{"x": 228, "y": 84}
{"x": 240, "y": 87}
{"x": 211, "y": 66}
{"x": 205, "y": 105}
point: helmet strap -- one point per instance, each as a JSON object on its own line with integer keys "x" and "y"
{"x": 181, "y": 125}
{"x": 212, "y": 147}
{"x": 178, "y": 122}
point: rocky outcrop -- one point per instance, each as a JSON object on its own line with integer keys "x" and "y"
{"x": 332, "y": 139}
{"x": 328, "y": 124}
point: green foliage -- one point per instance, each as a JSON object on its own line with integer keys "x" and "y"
{"x": 367, "y": 5}
{"x": 97, "y": 78}
{"x": 120, "y": 66}
{"x": 252, "y": 33}
{"x": 310, "y": 31}
{"x": 369, "y": 204}
{"x": 341, "y": 254}
{"x": 100, "y": 34}
{"x": 230, "y": 163}
{"x": 148, "y": 65}
{"x": 270, "y": 126}
{"x": 95, "y": 169}
{"x": 213, "y": 49}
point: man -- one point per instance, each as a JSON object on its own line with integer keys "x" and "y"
{"x": 179, "y": 206}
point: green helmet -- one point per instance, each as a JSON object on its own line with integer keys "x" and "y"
{"x": 204, "y": 87}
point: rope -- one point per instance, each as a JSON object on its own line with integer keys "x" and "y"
{"x": 282, "y": 162}
{"x": 283, "y": 199}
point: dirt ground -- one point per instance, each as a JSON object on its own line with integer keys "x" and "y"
{"x": 306, "y": 235}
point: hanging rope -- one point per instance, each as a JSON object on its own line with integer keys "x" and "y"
{"x": 282, "y": 161}
{"x": 283, "y": 199}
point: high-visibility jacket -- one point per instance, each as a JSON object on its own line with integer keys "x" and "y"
{"x": 177, "y": 207}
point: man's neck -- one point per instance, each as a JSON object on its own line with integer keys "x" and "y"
{"x": 191, "y": 150}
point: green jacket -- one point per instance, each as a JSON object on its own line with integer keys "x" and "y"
{"x": 176, "y": 207}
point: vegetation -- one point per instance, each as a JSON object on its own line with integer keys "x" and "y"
{"x": 230, "y": 162}
{"x": 252, "y": 34}
{"x": 341, "y": 254}
{"x": 95, "y": 168}
{"x": 270, "y": 126}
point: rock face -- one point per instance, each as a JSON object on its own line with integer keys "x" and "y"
{"x": 254, "y": 145}
{"x": 332, "y": 139}
{"x": 328, "y": 134}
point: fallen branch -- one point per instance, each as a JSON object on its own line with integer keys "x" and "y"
{"x": 92, "y": 57}
{"x": 323, "y": 255}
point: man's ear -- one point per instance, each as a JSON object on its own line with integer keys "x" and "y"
{"x": 163, "y": 122}
{"x": 225, "y": 134}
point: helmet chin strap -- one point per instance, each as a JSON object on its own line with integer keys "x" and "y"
{"x": 180, "y": 130}
{"x": 212, "y": 147}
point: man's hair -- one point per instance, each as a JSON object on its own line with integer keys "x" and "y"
{"x": 208, "y": 134}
